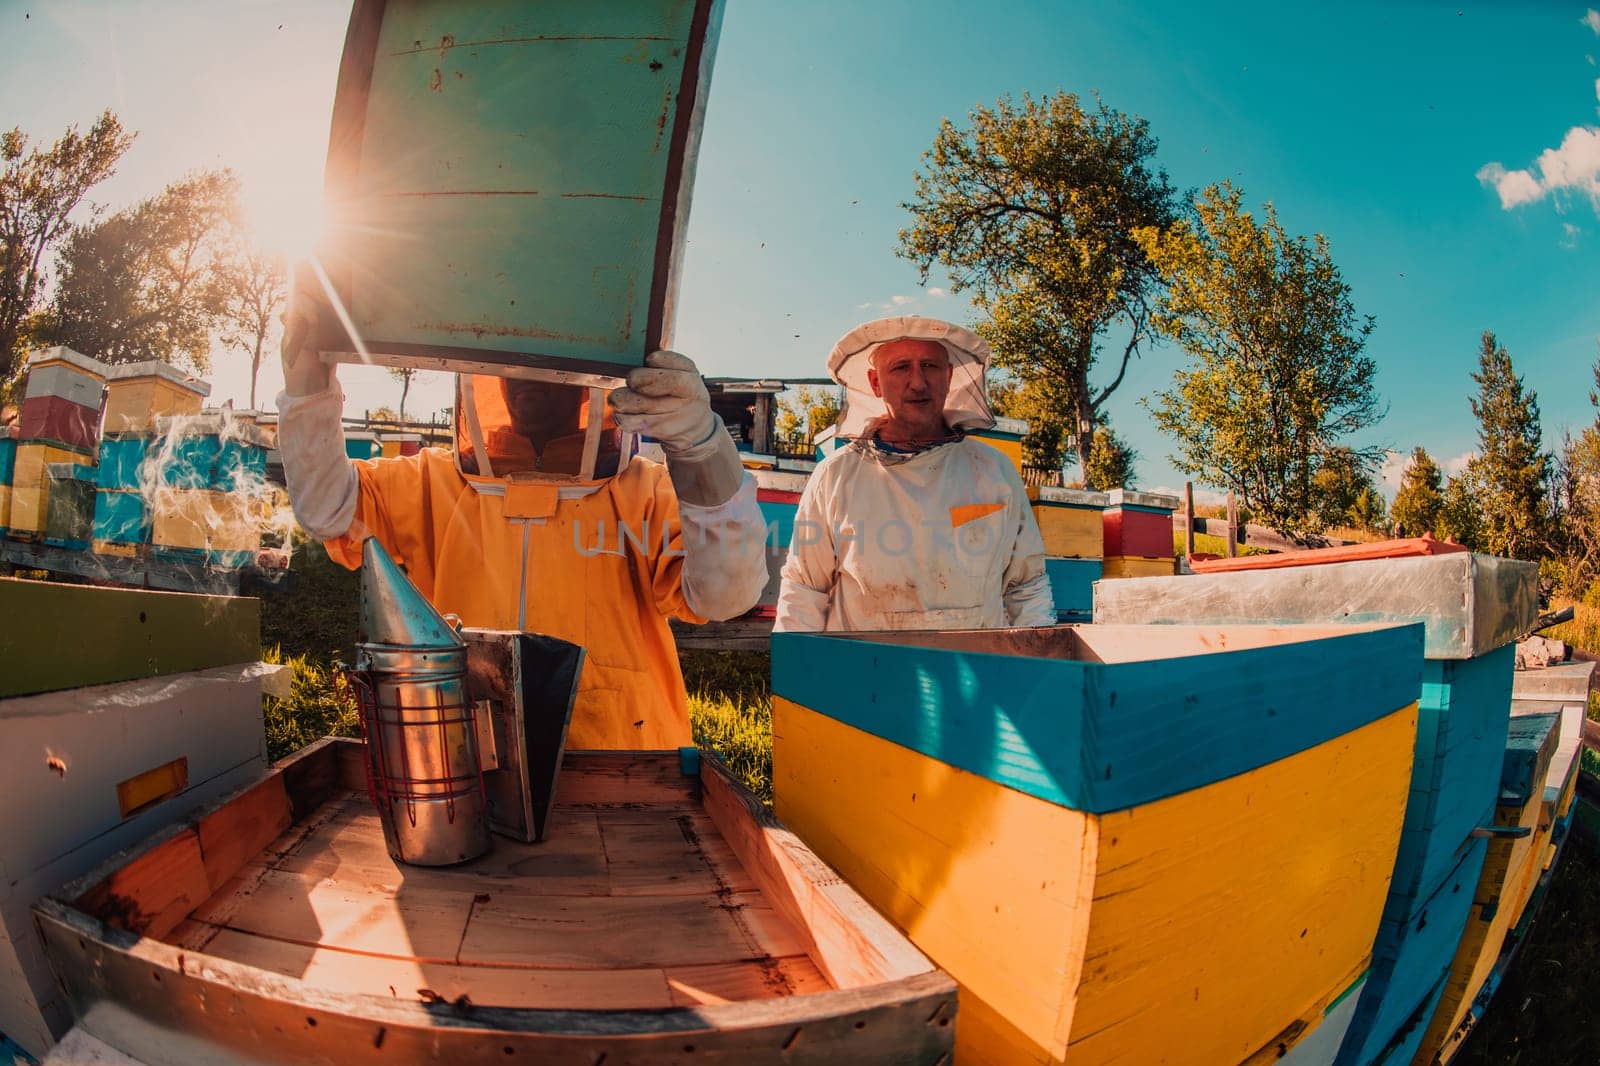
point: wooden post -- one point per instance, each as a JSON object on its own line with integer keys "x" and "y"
{"x": 1188, "y": 519}
{"x": 1233, "y": 527}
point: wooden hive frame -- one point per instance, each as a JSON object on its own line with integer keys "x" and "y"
{"x": 149, "y": 946}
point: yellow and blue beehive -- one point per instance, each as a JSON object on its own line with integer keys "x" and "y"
{"x": 1513, "y": 862}
{"x": 1127, "y": 843}
{"x": 1473, "y": 607}
{"x": 1005, "y": 437}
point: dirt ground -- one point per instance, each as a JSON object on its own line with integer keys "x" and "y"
{"x": 1544, "y": 1013}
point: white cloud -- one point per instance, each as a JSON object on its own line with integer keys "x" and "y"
{"x": 863, "y": 307}
{"x": 1516, "y": 187}
{"x": 937, "y": 292}
{"x": 1574, "y": 167}
{"x": 1457, "y": 463}
{"x": 1392, "y": 470}
{"x": 1569, "y": 238}
{"x": 1591, "y": 19}
{"x": 899, "y": 300}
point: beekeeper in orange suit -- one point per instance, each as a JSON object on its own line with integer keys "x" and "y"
{"x": 541, "y": 520}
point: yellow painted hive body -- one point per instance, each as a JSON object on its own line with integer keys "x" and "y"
{"x": 1212, "y": 925}
{"x": 1070, "y": 522}
{"x": 1137, "y": 566}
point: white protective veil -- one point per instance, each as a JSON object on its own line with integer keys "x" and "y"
{"x": 965, "y": 408}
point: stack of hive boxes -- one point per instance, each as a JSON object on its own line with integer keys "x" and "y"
{"x": 778, "y": 495}
{"x": 395, "y": 445}
{"x": 8, "y": 464}
{"x": 359, "y": 444}
{"x": 58, "y": 432}
{"x": 210, "y": 502}
{"x": 1070, "y": 521}
{"x": 1005, "y": 437}
{"x": 1473, "y": 607}
{"x": 137, "y": 395}
{"x": 1138, "y": 534}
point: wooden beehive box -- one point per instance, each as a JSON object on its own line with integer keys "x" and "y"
{"x": 121, "y": 711}
{"x": 1472, "y": 608}
{"x": 138, "y": 394}
{"x": 1127, "y": 843}
{"x": 478, "y": 129}
{"x": 1070, "y": 520}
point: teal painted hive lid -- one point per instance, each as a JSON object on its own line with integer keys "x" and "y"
{"x": 508, "y": 184}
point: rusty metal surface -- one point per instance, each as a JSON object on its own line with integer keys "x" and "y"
{"x": 1468, "y": 604}
{"x": 514, "y": 179}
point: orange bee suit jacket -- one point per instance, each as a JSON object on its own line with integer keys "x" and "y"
{"x": 517, "y": 557}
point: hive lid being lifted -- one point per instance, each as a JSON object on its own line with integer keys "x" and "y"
{"x": 508, "y": 183}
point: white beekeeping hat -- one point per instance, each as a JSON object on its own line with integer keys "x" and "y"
{"x": 967, "y": 405}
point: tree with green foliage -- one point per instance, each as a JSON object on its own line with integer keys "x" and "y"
{"x": 1044, "y": 446}
{"x": 1276, "y": 373}
{"x": 1577, "y": 483}
{"x": 1512, "y": 468}
{"x": 149, "y": 282}
{"x": 1034, "y": 208}
{"x": 256, "y": 288}
{"x": 39, "y": 191}
{"x": 1345, "y": 494}
{"x": 1420, "y": 498}
{"x": 1459, "y": 517}
{"x": 805, "y": 412}
{"x": 1110, "y": 462}
{"x": 404, "y": 375}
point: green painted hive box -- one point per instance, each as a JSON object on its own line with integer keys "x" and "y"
{"x": 1126, "y": 843}
{"x": 508, "y": 183}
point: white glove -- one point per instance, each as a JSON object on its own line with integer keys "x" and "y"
{"x": 304, "y": 372}
{"x": 666, "y": 399}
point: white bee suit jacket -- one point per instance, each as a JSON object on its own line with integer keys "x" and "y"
{"x": 942, "y": 539}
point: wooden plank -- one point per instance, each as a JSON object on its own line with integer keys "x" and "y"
{"x": 154, "y": 891}
{"x": 1062, "y": 730}
{"x": 349, "y": 847}
{"x": 135, "y": 633}
{"x": 660, "y": 853}
{"x": 617, "y": 779}
{"x": 1230, "y": 951}
{"x": 534, "y": 988}
{"x": 600, "y": 932}
{"x": 422, "y": 923}
{"x": 851, "y": 943}
{"x": 352, "y": 757}
{"x": 236, "y": 833}
{"x": 910, "y": 1021}
{"x": 310, "y": 776}
{"x": 994, "y": 885}
{"x": 739, "y": 982}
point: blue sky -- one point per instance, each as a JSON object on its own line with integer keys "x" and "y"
{"x": 1375, "y": 124}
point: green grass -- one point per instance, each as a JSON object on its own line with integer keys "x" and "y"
{"x": 741, "y": 736}
{"x": 320, "y": 705}
{"x": 1210, "y": 545}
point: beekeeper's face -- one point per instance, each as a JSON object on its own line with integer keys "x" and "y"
{"x": 912, "y": 377}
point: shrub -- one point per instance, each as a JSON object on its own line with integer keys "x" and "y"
{"x": 320, "y": 704}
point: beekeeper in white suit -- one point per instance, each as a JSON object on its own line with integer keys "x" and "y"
{"x": 913, "y": 524}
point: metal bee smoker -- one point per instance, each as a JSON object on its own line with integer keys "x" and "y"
{"x": 423, "y": 762}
